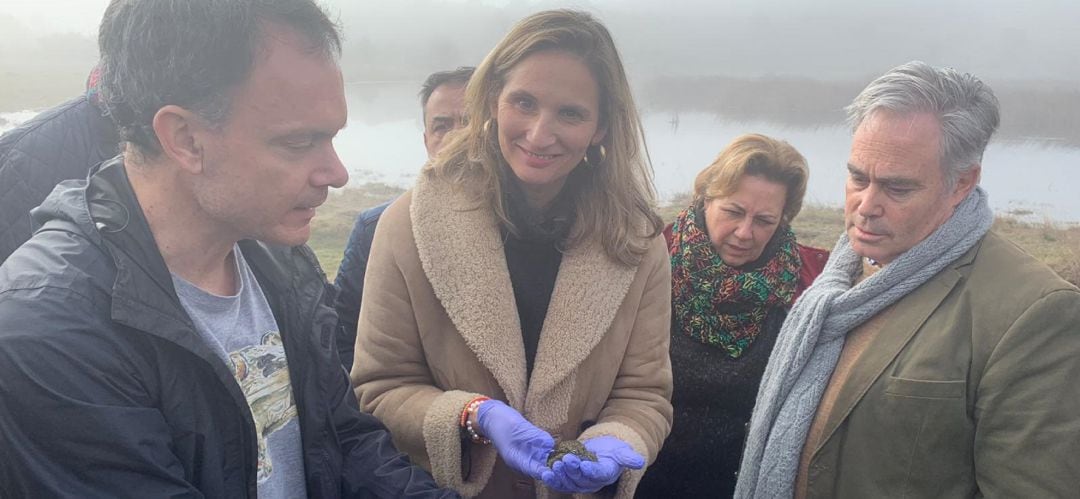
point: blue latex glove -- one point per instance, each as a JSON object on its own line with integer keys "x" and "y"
{"x": 572, "y": 474}
{"x": 523, "y": 446}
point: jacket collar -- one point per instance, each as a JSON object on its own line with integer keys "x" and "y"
{"x": 142, "y": 278}
{"x": 462, "y": 255}
{"x": 905, "y": 318}
{"x": 143, "y": 296}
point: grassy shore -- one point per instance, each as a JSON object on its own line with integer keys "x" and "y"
{"x": 1057, "y": 245}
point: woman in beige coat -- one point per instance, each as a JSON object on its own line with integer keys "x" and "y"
{"x": 525, "y": 267}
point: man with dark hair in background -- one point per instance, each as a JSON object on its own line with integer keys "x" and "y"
{"x": 442, "y": 98}
{"x": 60, "y": 143}
{"x": 167, "y": 333}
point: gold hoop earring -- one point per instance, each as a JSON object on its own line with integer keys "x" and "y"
{"x": 590, "y": 159}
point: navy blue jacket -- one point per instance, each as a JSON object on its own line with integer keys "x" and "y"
{"x": 107, "y": 390}
{"x": 61, "y": 143}
{"x": 350, "y": 280}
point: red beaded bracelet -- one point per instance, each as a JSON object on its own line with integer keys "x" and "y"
{"x": 466, "y": 421}
{"x": 465, "y": 412}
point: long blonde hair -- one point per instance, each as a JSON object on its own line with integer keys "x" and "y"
{"x": 615, "y": 198}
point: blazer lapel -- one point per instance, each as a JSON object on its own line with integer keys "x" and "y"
{"x": 905, "y": 319}
{"x": 462, "y": 254}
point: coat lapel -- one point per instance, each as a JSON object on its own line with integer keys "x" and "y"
{"x": 910, "y": 313}
{"x": 462, "y": 255}
{"x": 588, "y": 292}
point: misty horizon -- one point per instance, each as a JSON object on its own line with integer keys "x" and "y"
{"x": 837, "y": 40}
{"x": 768, "y": 65}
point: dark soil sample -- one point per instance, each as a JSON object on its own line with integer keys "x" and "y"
{"x": 570, "y": 447}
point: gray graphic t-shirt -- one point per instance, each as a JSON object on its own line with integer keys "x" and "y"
{"x": 243, "y": 332}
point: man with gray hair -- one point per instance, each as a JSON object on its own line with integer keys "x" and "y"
{"x": 166, "y": 332}
{"x": 932, "y": 358}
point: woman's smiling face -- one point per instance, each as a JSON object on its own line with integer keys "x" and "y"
{"x": 548, "y": 115}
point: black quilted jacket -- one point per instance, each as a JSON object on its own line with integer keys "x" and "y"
{"x": 61, "y": 143}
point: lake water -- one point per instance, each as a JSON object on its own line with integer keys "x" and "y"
{"x": 382, "y": 143}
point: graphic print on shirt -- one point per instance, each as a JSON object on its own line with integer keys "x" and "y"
{"x": 263, "y": 374}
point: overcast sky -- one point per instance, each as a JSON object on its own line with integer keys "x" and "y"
{"x": 55, "y": 16}
{"x": 825, "y": 39}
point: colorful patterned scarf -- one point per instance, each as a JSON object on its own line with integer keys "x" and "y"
{"x": 720, "y": 305}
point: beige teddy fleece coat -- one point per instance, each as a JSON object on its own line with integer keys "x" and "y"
{"x": 439, "y": 326}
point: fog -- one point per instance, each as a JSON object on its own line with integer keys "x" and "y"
{"x": 828, "y": 39}
{"x": 831, "y": 39}
{"x": 779, "y": 66}
{"x": 705, "y": 49}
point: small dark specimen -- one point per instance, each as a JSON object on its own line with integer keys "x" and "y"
{"x": 569, "y": 447}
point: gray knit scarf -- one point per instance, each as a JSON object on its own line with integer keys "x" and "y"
{"x": 812, "y": 337}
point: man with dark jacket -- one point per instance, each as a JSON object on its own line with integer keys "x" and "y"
{"x": 61, "y": 143}
{"x": 442, "y": 99}
{"x": 166, "y": 333}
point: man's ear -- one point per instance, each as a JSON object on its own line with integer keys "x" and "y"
{"x": 965, "y": 182}
{"x": 178, "y": 130}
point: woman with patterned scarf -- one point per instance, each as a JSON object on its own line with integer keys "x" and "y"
{"x": 736, "y": 269}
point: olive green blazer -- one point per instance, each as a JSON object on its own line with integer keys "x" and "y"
{"x": 972, "y": 389}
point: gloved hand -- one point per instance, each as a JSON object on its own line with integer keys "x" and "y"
{"x": 573, "y": 475}
{"x": 522, "y": 445}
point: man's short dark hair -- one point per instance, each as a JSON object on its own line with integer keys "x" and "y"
{"x": 191, "y": 53}
{"x": 459, "y": 76}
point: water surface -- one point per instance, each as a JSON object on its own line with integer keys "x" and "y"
{"x": 383, "y": 143}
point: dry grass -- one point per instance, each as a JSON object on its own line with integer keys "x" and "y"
{"x": 1055, "y": 244}
{"x": 331, "y": 228}
{"x": 819, "y": 226}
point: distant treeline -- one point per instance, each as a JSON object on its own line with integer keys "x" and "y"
{"x": 22, "y": 91}
{"x": 1043, "y": 112}
{"x": 1031, "y": 111}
